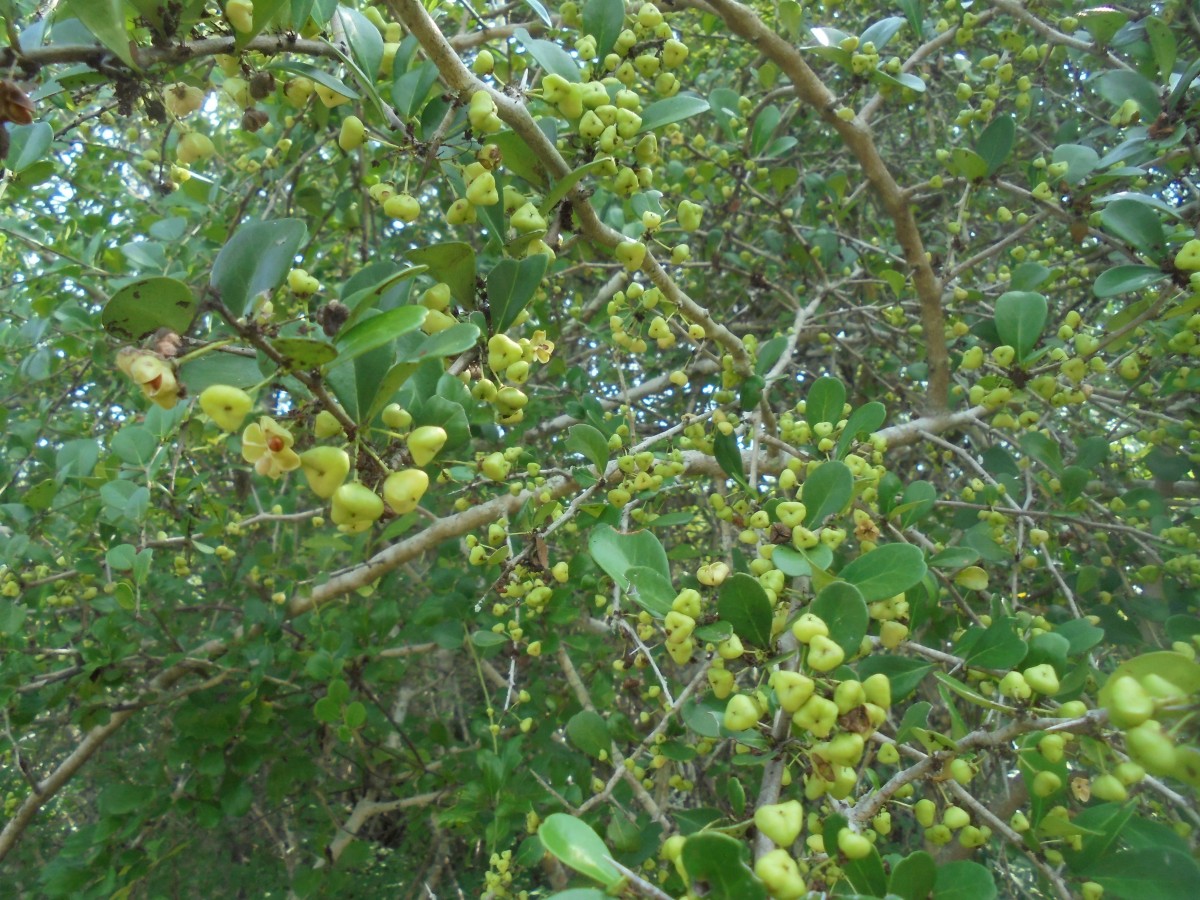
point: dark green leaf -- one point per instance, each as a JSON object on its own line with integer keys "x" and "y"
{"x": 826, "y": 491}
{"x": 825, "y": 400}
{"x": 968, "y": 164}
{"x": 845, "y": 612}
{"x": 588, "y": 731}
{"x": 862, "y": 423}
{"x": 28, "y": 144}
{"x": 410, "y": 89}
{"x": 913, "y": 877}
{"x": 996, "y": 142}
{"x": 106, "y": 20}
{"x": 366, "y": 43}
{"x": 617, "y": 552}
{"x": 653, "y": 591}
{"x": 866, "y": 875}
{"x": 886, "y": 571}
{"x": 1161, "y": 872}
{"x": 1136, "y": 224}
{"x": 511, "y": 285}
{"x": 563, "y": 186}
{"x": 452, "y": 262}
{"x": 672, "y": 109}
{"x": 256, "y": 260}
{"x": 764, "y": 127}
{"x": 550, "y": 56}
{"x": 744, "y": 605}
{"x": 964, "y": 880}
{"x": 377, "y": 331}
{"x": 1103, "y": 825}
{"x": 719, "y": 863}
{"x": 1020, "y": 318}
{"x": 729, "y": 456}
{"x": 880, "y": 33}
{"x": 999, "y": 646}
{"x": 904, "y": 672}
{"x": 590, "y": 443}
{"x": 141, "y": 308}
{"x": 1162, "y": 45}
{"x": 304, "y": 353}
{"x": 604, "y": 20}
{"x": 1126, "y": 279}
{"x": 1118, "y": 86}
{"x": 1081, "y": 161}
{"x": 1044, "y": 449}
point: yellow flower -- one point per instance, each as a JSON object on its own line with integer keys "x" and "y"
{"x": 268, "y": 445}
{"x": 542, "y": 348}
{"x": 153, "y": 374}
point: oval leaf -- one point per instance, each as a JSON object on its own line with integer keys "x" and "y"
{"x": 143, "y": 307}
{"x": 378, "y": 330}
{"x": 843, "y": 609}
{"x": 576, "y": 845}
{"x": 672, "y": 109}
{"x": 825, "y": 400}
{"x": 255, "y": 260}
{"x": 616, "y": 553}
{"x": 452, "y": 262}
{"x": 1020, "y": 318}
{"x": 588, "y": 731}
{"x": 886, "y": 571}
{"x": 827, "y": 491}
{"x": 744, "y": 605}
{"x": 304, "y": 353}
{"x": 511, "y": 285}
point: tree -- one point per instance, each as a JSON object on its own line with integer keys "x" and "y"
{"x": 707, "y": 449}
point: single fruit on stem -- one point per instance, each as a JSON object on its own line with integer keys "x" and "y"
{"x": 325, "y": 468}
{"x": 226, "y": 405}
{"x": 425, "y": 442}
{"x": 403, "y": 490}
{"x": 355, "y": 507}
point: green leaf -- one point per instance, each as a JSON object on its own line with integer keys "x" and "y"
{"x": 1136, "y": 224}
{"x": 1020, "y": 318}
{"x": 886, "y": 571}
{"x": 376, "y": 331}
{"x": 764, "y": 127}
{"x": 825, "y": 400}
{"x": 452, "y": 262}
{"x": 1163, "y": 873}
{"x": 968, "y": 164}
{"x": 604, "y": 20}
{"x": 588, "y": 731}
{"x": 304, "y": 353}
{"x": 1176, "y": 668}
{"x": 718, "y": 861}
{"x": 106, "y": 20}
{"x": 264, "y": 12}
{"x": 672, "y": 109}
{"x": 540, "y": 11}
{"x": 880, "y": 33}
{"x": 729, "y": 456}
{"x": 118, "y": 799}
{"x": 863, "y": 422}
{"x": 366, "y": 43}
{"x": 913, "y": 877}
{"x": 519, "y": 160}
{"x": 968, "y": 693}
{"x": 996, "y": 142}
{"x": 416, "y": 346}
{"x": 1102, "y": 22}
{"x": 1081, "y": 161}
{"x": 588, "y": 441}
{"x": 28, "y": 144}
{"x": 1126, "y": 279}
{"x": 845, "y": 612}
{"x": 410, "y": 89}
{"x": 1119, "y": 86}
{"x": 1044, "y": 449}
{"x": 144, "y": 306}
{"x": 964, "y": 880}
{"x": 998, "y": 647}
{"x": 653, "y": 591}
{"x": 511, "y": 285}
{"x": 550, "y": 56}
{"x": 577, "y": 846}
{"x": 617, "y": 552}
{"x": 826, "y": 491}
{"x": 1102, "y": 825}
{"x": 1162, "y": 45}
{"x": 256, "y": 260}
{"x": 866, "y": 875}
{"x": 743, "y": 603}
{"x": 488, "y": 639}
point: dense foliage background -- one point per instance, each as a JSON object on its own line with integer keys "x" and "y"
{"x": 768, "y": 434}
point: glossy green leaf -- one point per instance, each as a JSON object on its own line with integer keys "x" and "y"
{"x": 563, "y": 186}
{"x": 826, "y": 491}
{"x": 416, "y": 347}
{"x": 968, "y": 693}
{"x": 672, "y": 109}
{"x": 886, "y": 571}
{"x": 376, "y": 331}
{"x": 604, "y": 20}
{"x": 1044, "y": 449}
{"x": 511, "y": 285}
{"x": 1126, "y": 279}
{"x": 764, "y": 127}
{"x": 256, "y": 260}
{"x": 142, "y": 307}
{"x": 964, "y": 880}
{"x": 996, "y": 142}
{"x": 1136, "y": 224}
{"x": 1020, "y": 318}
{"x": 410, "y": 89}
{"x": 588, "y": 731}
{"x": 881, "y": 31}
{"x": 719, "y": 862}
{"x": 550, "y": 56}
{"x": 304, "y": 353}
{"x": 866, "y": 875}
{"x": 825, "y": 400}
{"x": 366, "y": 43}
{"x": 452, "y": 262}
{"x": 588, "y": 441}
{"x": 1102, "y": 825}
{"x": 617, "y": 552}
{"x": 729, "y": 456}
{"x": 573, "y": 842}
{"x": 913, "y": 877}
{"x": 863, "y": 422}
{"x": 106, "y": 20}
{"x": 998, "y": 647}
{"x": 743, "y": 603}
{"x": 27, "y": 145}
{"x": 1163, "y": 873}
{"x": 842, "y": 607}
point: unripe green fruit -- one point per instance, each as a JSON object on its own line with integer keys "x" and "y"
{"x": 792, "y": 689}
{"x": 924, "y": 811}
{"x": 194, "y": 147}
{"x": 824, "y": 655}
{"x": 240, "y": 14}
{"x": 425, "y": 442}
{"x": 495, "y": 466}
{"x": 854, "y": 845}
{"x": 503, "y": 352}
{"x": 1109, "y": 787}
{"x": 678, "y": 627}
{"x": 809, "y": 626}
{"x": 1128, "y": 702}
{"x": 888, "y": 754}
{"x": 1046, "y": 783}
{"x": 721, "y": 682}
{"x": 482, "y": 190}
{"x": 781, "y": 822}
{"x": 404, "y": 207}
{"x": 326, "y": 425}
{"x": 779, "y": 872}
{"x": 1152, "y": 747}
{"x": 1042, "y": 678}
{"x": 325, "y": 468}
{"x": 955, "y": 817}
{"x": 878, "y": 690}
{"x": 355, "y": 507}
{"x": 227, "y": 406}
{"x": 818, "y": 716}
{"x": 1129, "y": 773}
{"x": 484, "y": 63}
{"x": 1051, "y": 746}
{"x": 352, "y": 135}
{"x": 630, "y": 254}
{"x": 689, "y": 214}
{"x": 741, "y": 713}
{"x": 396, "y": 416}
{"x": 403, "y": 490}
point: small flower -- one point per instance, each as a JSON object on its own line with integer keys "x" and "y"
{"x": 153, "y": 374}
{"x": 268, "y": 445}
{"x": 542, "y": 348}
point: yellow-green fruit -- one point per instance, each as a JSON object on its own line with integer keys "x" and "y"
{"x": 355, "y": 507}
{"x": 404, "y": 207}
{"x": 809, "y": 626}
{"x": 630, "y": 254}
{"x": 484, "y": 63}
{"x": 326, "y": 425}
{"x": 353, "y": 134}
{"x": 325, "y": 469}
{"x": 194, "y": 147}
{"x": 503, "y": 352}
{"x": 971, "y": 359}
{"x": 1128, "y": 702}
{"x": 1042, "y": 678}
{"x": 240, "y": 14}
{"x": 1188, "y": 257}
{"x": 854, "y": 845}
{"x": 823, "y": 654}
{"x": 1109, "y": 787}
{"x": 396, "y": 416}
{"x": 482, "y": 190}
{"x": 425, "y": 442}
{"x": 495, "y": 466}
{"x": 1149, "y": 745}
{"x": 924, "y": 811}
{"x": 741, "y": 713}
{"x": 1046, "y": 783}
{"x": 403, "y": 490}
{"x": 792, "y": 689}
{"x": 227, "y": 406}
{"x": 779, "y": 872}
{"x": 781, "y": 822}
